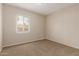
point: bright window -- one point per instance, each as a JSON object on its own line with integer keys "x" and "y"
{"x": 22, "y": 24}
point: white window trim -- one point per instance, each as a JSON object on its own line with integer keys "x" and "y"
{"x": 24, "y": 31}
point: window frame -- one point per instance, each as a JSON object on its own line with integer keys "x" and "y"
{"x": 23, "y": 21}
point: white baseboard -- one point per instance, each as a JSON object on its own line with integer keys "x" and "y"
{"x": 64, "y": 43}
{"x": 24, "y": 42}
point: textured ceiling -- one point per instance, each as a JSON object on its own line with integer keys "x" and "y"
{"x": 42, "y": 8}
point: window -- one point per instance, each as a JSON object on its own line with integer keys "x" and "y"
{"x": 22, "y": 24}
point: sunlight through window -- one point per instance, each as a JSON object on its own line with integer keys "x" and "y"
{"x": 22, "y": 24}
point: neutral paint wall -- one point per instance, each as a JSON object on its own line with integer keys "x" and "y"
{"x": 63, "y": 26}
{"x": 0, "y": 27}
{"x": 10, "y": 37}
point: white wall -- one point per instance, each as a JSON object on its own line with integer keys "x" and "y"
{"x": 10, "y": 37}
{"x": 63, "y": 26}
{"x": 0, "y": 27}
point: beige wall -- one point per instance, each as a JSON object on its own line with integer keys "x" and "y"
{"x": 0, "y": 27}
{"x": 63, "y": 26}
{"x": 10, "y": 37}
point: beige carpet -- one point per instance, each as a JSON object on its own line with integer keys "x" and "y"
{"x": 40, "y": 48}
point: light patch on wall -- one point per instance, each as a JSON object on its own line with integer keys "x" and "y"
{"x": 22, "y": 24}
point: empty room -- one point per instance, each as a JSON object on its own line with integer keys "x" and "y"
{"x": 39, "y": 29}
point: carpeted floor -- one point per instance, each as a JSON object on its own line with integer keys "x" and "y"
{"x": 40, "y": 48}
